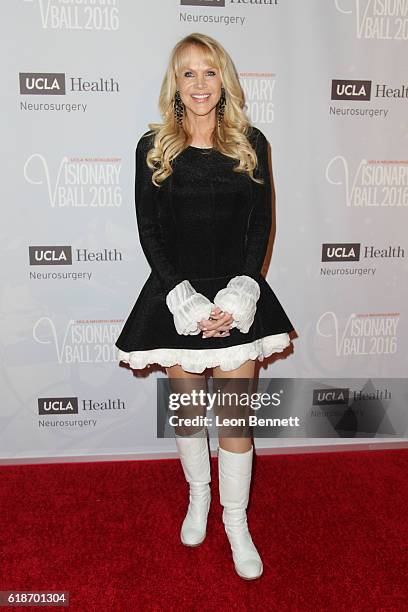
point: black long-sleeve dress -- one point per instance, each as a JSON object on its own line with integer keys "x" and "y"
{"x": 206, "y": 227}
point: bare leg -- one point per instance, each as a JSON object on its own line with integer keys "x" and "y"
{"x": 182, "y": 381}
{"x": 246, "y": 370}
{"x": 177, "y": 371}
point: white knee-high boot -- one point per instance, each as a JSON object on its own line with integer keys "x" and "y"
{"x": 195, "y": 459}
{"x": 235, "y": 471}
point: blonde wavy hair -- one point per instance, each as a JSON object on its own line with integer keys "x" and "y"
{"x": 230, "y": 138}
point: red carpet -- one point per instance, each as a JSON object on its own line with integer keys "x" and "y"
{"x": 332, "y": 530}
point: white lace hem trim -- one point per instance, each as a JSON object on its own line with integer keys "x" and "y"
{"x": 197, "y": 360}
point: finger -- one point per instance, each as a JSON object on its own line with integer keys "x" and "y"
{"x": 217, "y": 325}
{"x": 224, "y": 320}
{"x": 206, "y": 324}
{"x": 225, "y": 317}
{"x": 223, "y": 331}
{"x": 215, "y": 316}
{"x": 209, "y": 333}
{"x": 209, "y": 327}
{"x": 223, "y": 328}
{"x": 218, "y": 335}
{"x": 216, "y": 310}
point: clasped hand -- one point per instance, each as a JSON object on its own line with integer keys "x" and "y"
{"x": 220, "y": 321}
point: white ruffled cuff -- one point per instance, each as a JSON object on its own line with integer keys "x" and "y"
{"x": 239, "y": 298}
{"x": 188, "y": 308}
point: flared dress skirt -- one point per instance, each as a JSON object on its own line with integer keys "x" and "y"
{"x": 149, "y": 336}
{"x": 204, "y": 224}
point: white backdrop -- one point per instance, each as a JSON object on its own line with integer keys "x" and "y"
{"x": 325, "y": 81}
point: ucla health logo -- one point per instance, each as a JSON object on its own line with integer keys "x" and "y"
{"x": 50, "y": 255}
{"x": 54, "y": 84}
{"x": 213, "y": 3}
{"x": 362, "y": 90}
{"x": 75, "y": 413}
{"x": 350, "y": 251}
{"x": 344, "y": 253}
{"x": 358, "y": 91}
{"x": 70, "y": 405}
{"x": 341, "y": 252}
{"x": 219, "y": 17}
{"x": 62, "y": 255}
{"x": 46, "y": 83}
{"x": 57, "y": 405}
{"x": 351, "y": 90}
{"x": 330, "y": 396}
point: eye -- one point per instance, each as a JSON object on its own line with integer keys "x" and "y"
{"x": 210, "y": 72}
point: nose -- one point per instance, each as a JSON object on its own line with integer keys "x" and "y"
{"x": 200, "y": 80}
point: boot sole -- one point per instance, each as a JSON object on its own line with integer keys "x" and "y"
{"x": 192, "y": 545}
{"x": 246, "y": 577}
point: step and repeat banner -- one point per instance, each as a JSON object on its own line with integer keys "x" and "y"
{"x": 325, "y": 80}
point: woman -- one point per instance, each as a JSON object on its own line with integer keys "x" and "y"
{"x": 203, "y": 208}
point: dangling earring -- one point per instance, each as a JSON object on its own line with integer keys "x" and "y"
{"x": 178, "y": 107}
{"x": 221, "y": 107}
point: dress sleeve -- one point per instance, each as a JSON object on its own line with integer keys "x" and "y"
{"x": 242, "y": 292}
{"x": 187, "y": 306}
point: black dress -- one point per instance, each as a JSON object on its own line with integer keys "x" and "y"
{"x": 207, "y": 224}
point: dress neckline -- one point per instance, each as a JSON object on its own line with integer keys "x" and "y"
{"x": 200, "y": 148}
